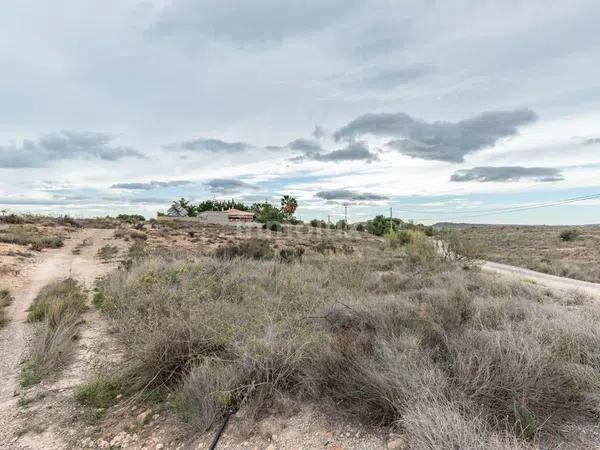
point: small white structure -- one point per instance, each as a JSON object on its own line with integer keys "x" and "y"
{"x": 176, "y": 210}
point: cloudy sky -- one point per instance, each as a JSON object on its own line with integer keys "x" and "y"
{"x": 444, "y": 110}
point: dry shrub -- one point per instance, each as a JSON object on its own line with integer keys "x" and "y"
{"x": 138, "y": 235}
{"x": 57, "y": 300}
{"x": 36, "y": 238}
{"x": 438, "y": 424}
{"x": 510, "y": 375}
{"x": 250, "y": 248}
{"x": 374, "y": 382}
{"x": 59, "y": 306}
{"x": 431, "y": 344}
{"x": 120, "y": 233}
{"x": 107, "y": 252}
{"x": 5, "y": 301}
{"x": 291, "y": 254}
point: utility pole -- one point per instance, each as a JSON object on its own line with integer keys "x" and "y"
{"x": 391, "y": 221}
{"x": 346, "y": 213}
{"x": 328, "y": 220}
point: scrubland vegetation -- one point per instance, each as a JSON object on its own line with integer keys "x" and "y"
{"x": 57, "y": 308}
{"x": 30, "y": 235}
{"x": 571, "y": 252}
{"x": 398, "y": 337}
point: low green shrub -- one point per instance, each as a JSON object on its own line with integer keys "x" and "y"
{"x": 99, "y": 392}
{"x": 569, "y": 235}
{"x": 273, "y": 226}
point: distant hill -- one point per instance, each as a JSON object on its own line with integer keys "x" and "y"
{"x": 463, "y": 226}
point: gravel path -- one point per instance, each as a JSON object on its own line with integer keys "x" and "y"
{"x": 550, "y": 281}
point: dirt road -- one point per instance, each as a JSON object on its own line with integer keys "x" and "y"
{"x": 47, "y": 266}
{"x": 550, "y": 281}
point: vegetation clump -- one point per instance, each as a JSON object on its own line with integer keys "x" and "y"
{"x": 30, "y": 235}
{"x": 569, "y": 235}
{"x": 448, "y": 355}
{"x": 108, "y": 252}
{"x": 5, "y": 301}
{"x": 273, "y": 226}
{"x": 58, "y": 307}
{"x": 249, "y": 248}
{"x": 99, "y": 392}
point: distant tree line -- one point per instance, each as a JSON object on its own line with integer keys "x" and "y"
{"x": 265, "y": 212}
{"x": 378, "y": 226}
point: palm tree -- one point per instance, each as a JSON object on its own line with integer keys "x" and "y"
{"x": 288, "y": 205}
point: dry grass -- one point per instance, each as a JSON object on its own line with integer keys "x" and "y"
{"x": 542, "y": 248}
{"x": 108, "y": 252}
{"x": 58, "y": 307}
{"x": 30, "y": 235}
{"x": 5, "y": 301}
{"x": 447, "y": 355}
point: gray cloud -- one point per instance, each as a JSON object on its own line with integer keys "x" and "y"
{"x": 319, "y": 132}
{"x": 150, "y": 185}
{"x": 247, "y": 23}
{"x": 507, "y": 174}
{"x": 390, "y": 78}
{"x": 591, "y": 141}
{"x": 354, "y": 151}
{"x": 441, "y": 141}
{"x": 228, "y": 185}
{"x": 33, "y": 201}
{"x": 208, "y": 145}
{"x": 62, "y": 146}
{"x": 305, "y": 145}
{"x": 345, "y": 194}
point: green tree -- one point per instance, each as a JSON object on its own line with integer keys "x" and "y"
{"x": 266, "y": 212}
{"x": 288, "y": 205}
{"x": 341, "y": 225}
{"x": 189, "y": 207}
{"x": 380, "y": 224}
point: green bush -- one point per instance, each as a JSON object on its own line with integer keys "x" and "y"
{"x": 570, "y": 235}
{"x": 131, "y": 218}
{"x": 273, "y": 226}
{"x": 99, "y": 392}
{"x": 398, "y": 238}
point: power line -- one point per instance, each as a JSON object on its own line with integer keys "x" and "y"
{"x": 492, "y": 212}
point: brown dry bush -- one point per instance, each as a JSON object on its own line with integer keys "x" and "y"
{"x": 416, "y": 345}
{"x": 250, "y": 248}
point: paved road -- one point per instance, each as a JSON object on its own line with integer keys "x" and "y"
{"x": 543, "y": 279}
